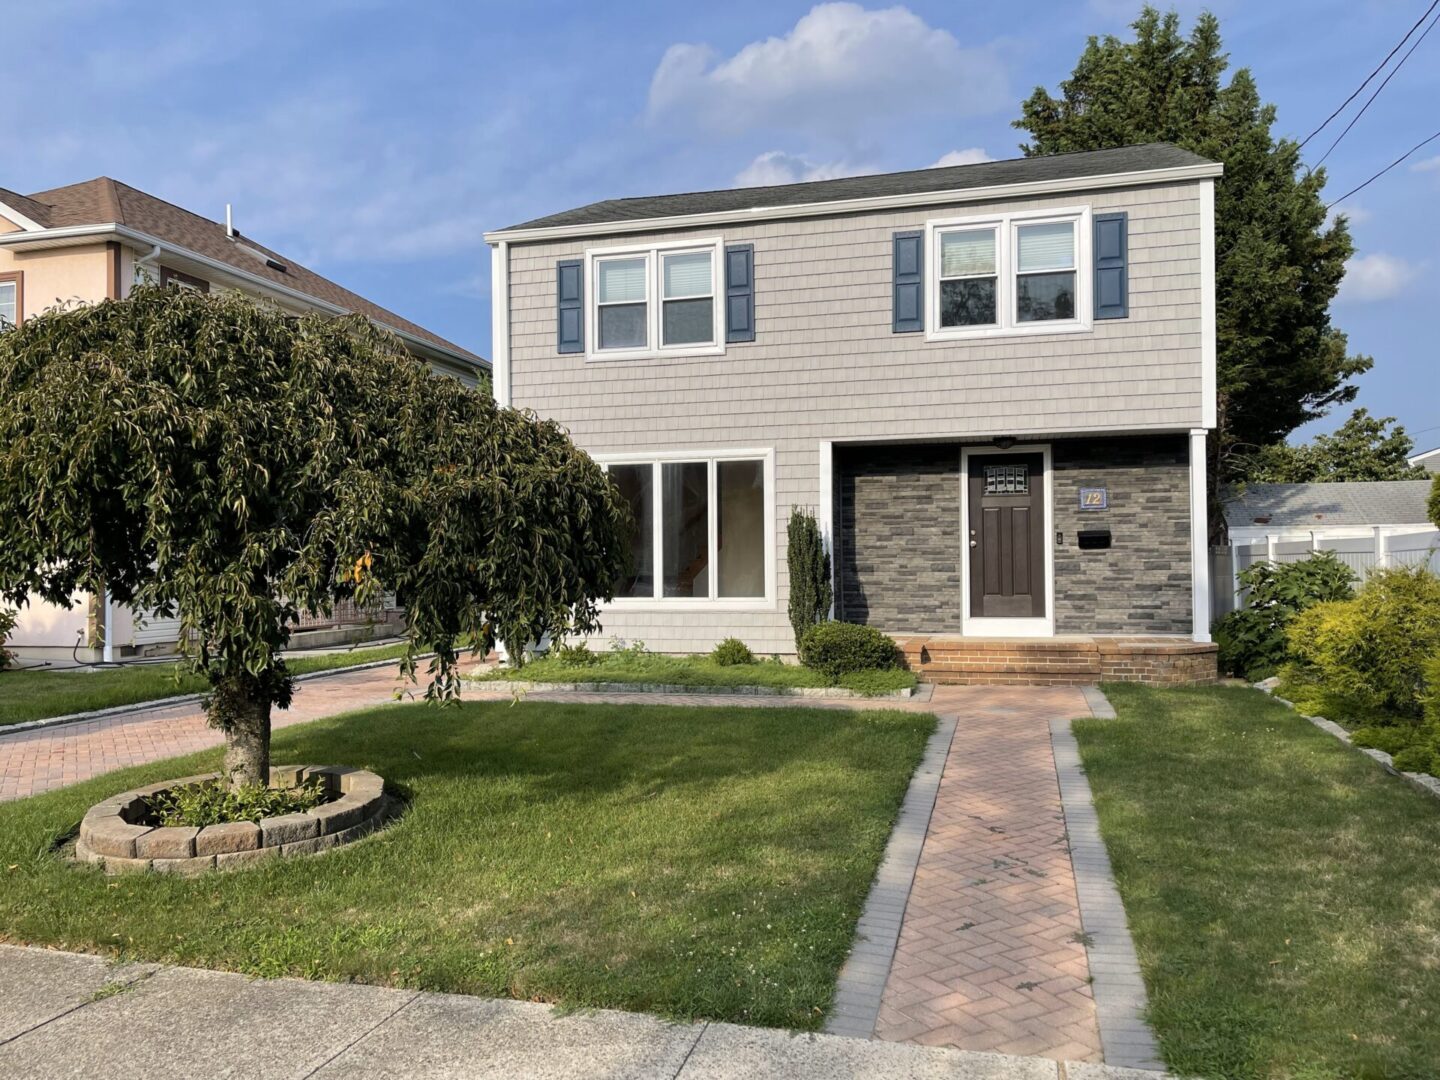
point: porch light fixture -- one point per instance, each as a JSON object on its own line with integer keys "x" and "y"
{"x": 1004, "y": 442}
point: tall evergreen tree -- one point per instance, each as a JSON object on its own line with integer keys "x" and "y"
{"x": 1277, "y": 263}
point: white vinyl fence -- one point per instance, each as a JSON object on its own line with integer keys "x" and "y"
{"x": 1361, "y": 553}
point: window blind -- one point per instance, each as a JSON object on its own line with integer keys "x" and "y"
{"x": 1046, "y": 247}
{"x": 621, "y": 281}
{"x": 688, "y": 275}
{"x": 970, "y": 252}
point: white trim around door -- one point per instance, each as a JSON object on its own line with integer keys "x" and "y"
{"x": 989, "y": 627}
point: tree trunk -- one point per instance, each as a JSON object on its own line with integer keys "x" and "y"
{"x": 247, "y": 740}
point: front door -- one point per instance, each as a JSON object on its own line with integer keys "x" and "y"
{"x": 1007, "y": 536}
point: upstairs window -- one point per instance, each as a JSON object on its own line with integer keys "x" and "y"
{"x": 1009, "y": 274}
{"x": 10, "y": 299}
{"x": 655, "y": 301}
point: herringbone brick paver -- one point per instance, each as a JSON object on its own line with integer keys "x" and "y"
{"x": 990, "y": 955}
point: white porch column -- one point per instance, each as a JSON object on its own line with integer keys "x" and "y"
{"x": 1199, "y": 540}
{"x": 108, "y": 623}
{"x": 825, "y": 512}
{"x": 1382, "y": 548}
{"x": 500, "y": 322}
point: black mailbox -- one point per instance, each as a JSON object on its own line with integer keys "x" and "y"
{"x": 1090, "y": 539}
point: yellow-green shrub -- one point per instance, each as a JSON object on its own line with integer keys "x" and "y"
{"x": 1368, "y": 654}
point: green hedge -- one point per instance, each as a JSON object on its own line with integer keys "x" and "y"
{"x": 838, "y": 648}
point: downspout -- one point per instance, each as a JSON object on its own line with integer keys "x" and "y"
{"x": 145, "y": 260}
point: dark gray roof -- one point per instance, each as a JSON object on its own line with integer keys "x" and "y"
{"x": 1078, "y": 166}
{"x": 1382, "y": 502}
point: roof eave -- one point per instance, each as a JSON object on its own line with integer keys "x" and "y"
{"x": 1177, "y": 174}
{"x": 72, "y": 235}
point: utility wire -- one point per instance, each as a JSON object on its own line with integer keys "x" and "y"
{"x": 1393, "y": 72}
{"x": 1380, "y": 68}
{"x": 1382, "y": 172}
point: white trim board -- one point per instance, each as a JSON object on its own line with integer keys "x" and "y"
{"x": 978, "y": 626}
{"x": 852, "y": 206}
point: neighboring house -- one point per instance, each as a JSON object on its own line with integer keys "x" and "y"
{"x": 1430, "y": 459}
{"x": 1367, "y": 524}
{"x": 992, "y": 383}
{"x": 93, "y": 241}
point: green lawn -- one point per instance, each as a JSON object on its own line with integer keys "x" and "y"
{"x": 685, "y": 861}
{"x": 1283, "y": 891}
{"x": 631, "y": 667}
{"x": 35, "y": 695}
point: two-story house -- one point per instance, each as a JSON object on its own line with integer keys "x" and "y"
{"x": 991, "y": 383}
{"x": 93, "y": 241}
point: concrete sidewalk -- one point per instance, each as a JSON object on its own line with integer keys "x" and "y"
{"x": 63, "y": 1014}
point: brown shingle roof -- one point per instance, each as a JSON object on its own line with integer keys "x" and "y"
{"x": 104, "y": 201}
{"x": 27, "y": 206}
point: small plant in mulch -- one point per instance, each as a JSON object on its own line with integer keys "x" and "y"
{"x": 210, "y": 803}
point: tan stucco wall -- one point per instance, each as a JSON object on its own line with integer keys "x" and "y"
{"x": 61, "y": 275}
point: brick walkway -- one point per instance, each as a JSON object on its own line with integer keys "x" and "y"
{"x": 990, "y": 955}
{"x": 45, "y": 758}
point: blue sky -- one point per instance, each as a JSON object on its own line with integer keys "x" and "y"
{"x": 376, "y": 141}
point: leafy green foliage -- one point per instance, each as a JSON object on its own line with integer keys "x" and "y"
{"x": 1432, "y": 502}
{"x": 1368, "y": 655}
{"x": 224, "y": 462}
{"x": 809, "y": 565}
{"x": 840, "y": 648}
{"x": 1362, "y": 448}
{"x": 1252, "y": 639}
{"x": 1430, "y": 696}
{"x": 7, "y": 626}
{"x": 732, "y": 652}
{"x": 1277, "y": 263}
{"x": 213, "y": 803}
{"x": 577, "y": 655}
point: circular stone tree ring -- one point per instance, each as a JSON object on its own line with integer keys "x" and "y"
{"x": 114, "y": 833}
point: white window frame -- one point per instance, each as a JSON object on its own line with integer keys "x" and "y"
{"x": 655, "y": 299}
{"x": 1006, "y": 228}
{"x": 714, "y": 602}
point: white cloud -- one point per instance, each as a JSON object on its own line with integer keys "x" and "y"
{"x": 972, "y": 156}
{"x": 1377, "y": 277}
{"x": 1428, "y": 165}
{"x": 778, "y": 167}
{"x": 839, "y": 68}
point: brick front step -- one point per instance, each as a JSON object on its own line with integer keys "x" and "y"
{"x": 1068, "y": 661}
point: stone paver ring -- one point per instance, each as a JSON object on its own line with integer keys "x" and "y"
{"x": 114, "y": 835}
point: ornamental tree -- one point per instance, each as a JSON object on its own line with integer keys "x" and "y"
{"x": 1364, "y": 448}
{"x": 226, "y": 463}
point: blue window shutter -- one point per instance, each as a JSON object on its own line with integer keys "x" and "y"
{"x": 908, "y": 274}
{"x": 1112, "y": 289}
{"x": 740, "y": 292}
{"x": 570, "y": 305}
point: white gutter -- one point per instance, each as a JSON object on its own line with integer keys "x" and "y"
{"x": 877, "y": 202}
{"x": 39, "y": 241}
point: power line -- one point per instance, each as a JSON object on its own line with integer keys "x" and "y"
{"x": 1382, "y": 172}
{"x": 1393, "y": 72}
{"x": 1380, "y": 68}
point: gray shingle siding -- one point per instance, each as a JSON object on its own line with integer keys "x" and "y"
{"x": 825, "y": 365}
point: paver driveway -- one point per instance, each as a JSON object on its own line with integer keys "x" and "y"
{"x": 990, "y": 954}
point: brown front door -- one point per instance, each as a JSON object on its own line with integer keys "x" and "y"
{"x": 1007, "y": 536}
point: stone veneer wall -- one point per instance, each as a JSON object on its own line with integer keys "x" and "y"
{"x": 1141, "y": 584}
{"x": 898, "y": 561}
{"x": 898, "y": 545}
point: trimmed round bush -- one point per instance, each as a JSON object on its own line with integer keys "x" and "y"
{"x": 838, "y": 648}
{"x": 1367, "y": 654}
{"x": 731, "y": 653}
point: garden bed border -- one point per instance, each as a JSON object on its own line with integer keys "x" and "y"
{"x": 833, "y": 692}
{"x": 1426, "y": 783}
{"x": 110, "y": 840}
